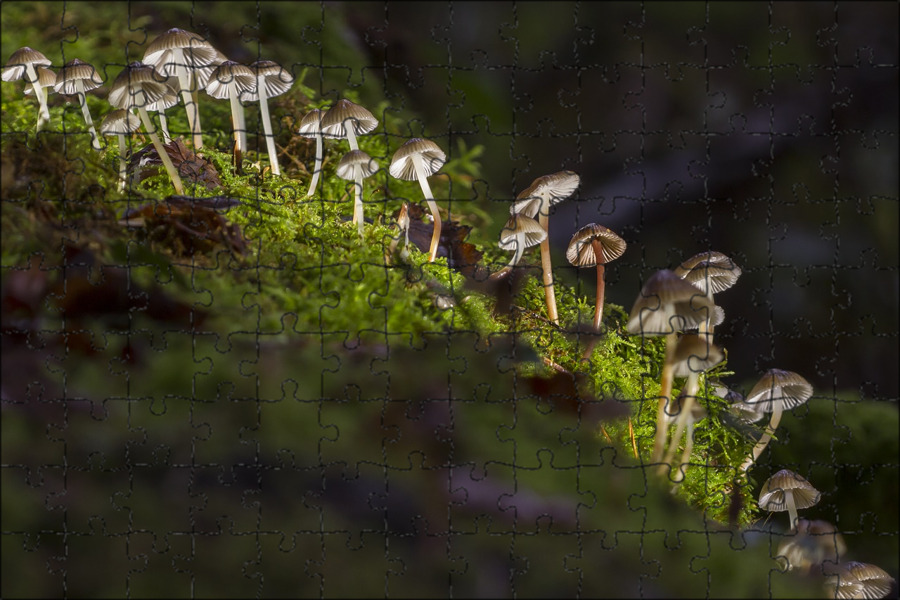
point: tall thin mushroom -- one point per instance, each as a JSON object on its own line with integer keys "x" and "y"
{"x": 137, "y": 86}
{"x": 232, "y": 80}
{"x": 536, "y": 199}
{"x": 271, "y": 80}
{"x": 355, "y": 166}
{"x": 593, "y": 246}
{"x": 416, "y": 160}
{"x": 347, "y": 120}
{"x": 311, "y": 127}
{"x": 120, "y": 123}
{"x": 21, "y": 65}
{"x": 712, "y": 272}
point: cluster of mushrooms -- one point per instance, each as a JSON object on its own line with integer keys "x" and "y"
{"x": 677, "y": 304}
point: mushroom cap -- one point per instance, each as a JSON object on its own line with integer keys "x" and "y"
{"x": 15, "y": 66}
{"x": 195, "y": 51}
{"x": 333, "y": 122}
{"x": 854, "y": 579}
{"x": 709, "y": 271}
{"x": 667, "y": 304}
{"x": 718, "y": 317}
{"x": 521, "y": 229}
{"x": 779, "y": 388}
{"x": 694, "y": 355}
{"x": 202, "y": 74}
{"x": 772, "y": 495}
{"x": 73, "y": 71}
{"x": 581, "y": 249}
{"x": 433, "y": 158}
{"x": 277, "y": 79}
{"x": 544, "y": 192}
{"x": 137, "y": 86}
{"x": 814, "y": 542}
{"x": 119, "y": 121}
{"x": 310, "y": 124}
{"x": 356, "y": 164}
{"x": 46, "y": 79}
{"x": 231, "y": 78}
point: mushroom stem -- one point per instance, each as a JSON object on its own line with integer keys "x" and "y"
{"x": 358, "y": 204}
{"x": 351, "y": 134}
{"x": 765, "y": 439}
{"x": 236, "y": 125}
{"x": 684, "y": 463}
{"x": 520, "y": 250}
{"x": 665, "y": 391}
{"x": 163, "y": 155}
{"x": 601, "y": 283}
{"x": 549, "y": 292}
{"x": 684, "y": 415}
{"x": 43, "y": 111}
{"x": 318, "y": 166}
{"x": 792, "y": 508}
{"x": 267, "y": 123}
{"x": 86, "y": 113}
{"x": 432, "y": 205}
{"x": 123, "y": 168}
{"x": 164, "y": 125}
{"x": 191, "y": 107}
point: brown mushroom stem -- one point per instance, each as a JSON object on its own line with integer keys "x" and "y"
{"x": 665, "y": 391}
{"x": 765, "y": 439}
{"x": 163, "y": 155}
{"x": 317, "y": 168}
{"x": 419, "y": 166}
{"x": 601, "y": 283}
{"x": 690, "y": 392}
{"x": 549, "y": 292}
{"x": 43, "y": 111}
{"x": 267, "y": 123}
{"x": 86, "y": 113}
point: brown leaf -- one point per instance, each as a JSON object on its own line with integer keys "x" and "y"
{"x": 461, "y": 255}
{"x": 191, "y": 167}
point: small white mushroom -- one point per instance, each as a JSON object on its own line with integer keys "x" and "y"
{"x": 271, "y": 80}
{"x": 232, "y": 80}
{"x": 416, "y": 160}
{"x": 21, "y": 65}
{"x": 120, "y": 123}
{"x": 311, "y": 127}
{"x": 355, "y": 166}
{"x": 787, "y": 491}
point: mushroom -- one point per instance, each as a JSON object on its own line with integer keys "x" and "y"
{"x": 712, "y": 272}
{"x": 46, "y": 79}
{"x": 120, "y": 123}
{"x": 21, "y": 65}
{"x": 271, "y": 80}
{"x": 74, "y": 79}
{"x": 813, "y": 543}
{"x": 137, "y": 86}
{"x": 666, "y": 305}
{"x": 776, "y": 391}
{"x": 536, "y": 199}
{"x": 356, "y": 165}
{"x": 787, "y": 491}
{"x": 232, "y": 80}
{"x": 692, "y": 356}
{"x": 178, "y": 53}
{"x": 858, "y": 580}
{"x": 696, "y": 413}
{"x": 168, "y": 100}
{"x": 520, "y": 232}
{"x": 595, "y": 245}
{"x": 335, "y": 122}
{"x": 403, "y": 224}
{"x": 311, "y": 127}
{"x": 416, "y": 160}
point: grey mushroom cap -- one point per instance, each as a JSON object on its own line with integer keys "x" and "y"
{"x": 119, "y": 122}
{"x": 544, "y": 192}
{"x": 779, "y": 388}
{"x": 73, "y": 71}
{"x": 15, "y": 66}
{"x": 46, "y": 79}
{"x": 854, "y": 579}
{"x": 335, "y": 119}
{"x": 277, "y": 79}
{"x": 521, "y": 229}
{"x": 667, "y": 304}
{"x": 356, "y": 164}
{"x": 776, "y": 487}
{"x": 581, "y": 249}
{"x": 433, "y": 158}
{"x": 230, "y": 78}
{"x": 137, "y": 86}
{"x": 709, "y": 271}
{"x": 311, "y": 124}
{"x": 693, "y": 356}
{"x": 195, "y": 50}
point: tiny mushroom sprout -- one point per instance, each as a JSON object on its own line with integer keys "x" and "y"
{"x": 178, "y": 53}
{"x": 693, "y": 355}
{"x": 311, "y": 127}
{"x": 813, "y": 543}
{"x": 120, "y": 123}
{"x": 712, "y": 272}
{"x": 666, "y": 305}
{"x": 356, "y": 165}
{"x": 74, "y": 79}
{"x": 417, "y": 159}
{"x": 595, "y": 245}
{"x": 348, "y": 120}
{"x": 137, "y": 86}
{"x": 271, "y": 80}
{"x": 232, "y": 80}
{"x": 536, "y": 199}
{"x": 787, "y": 491}
{"x": 774, "y": 393}
{"x": 520, "y": 232}
{"x": 858, "y": 580}
{"x": 21, "y": 65}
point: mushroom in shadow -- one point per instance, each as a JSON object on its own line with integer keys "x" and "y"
{"x": 787, "y": 491}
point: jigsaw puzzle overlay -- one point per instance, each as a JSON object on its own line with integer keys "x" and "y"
{"x": 449, "y": 299}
